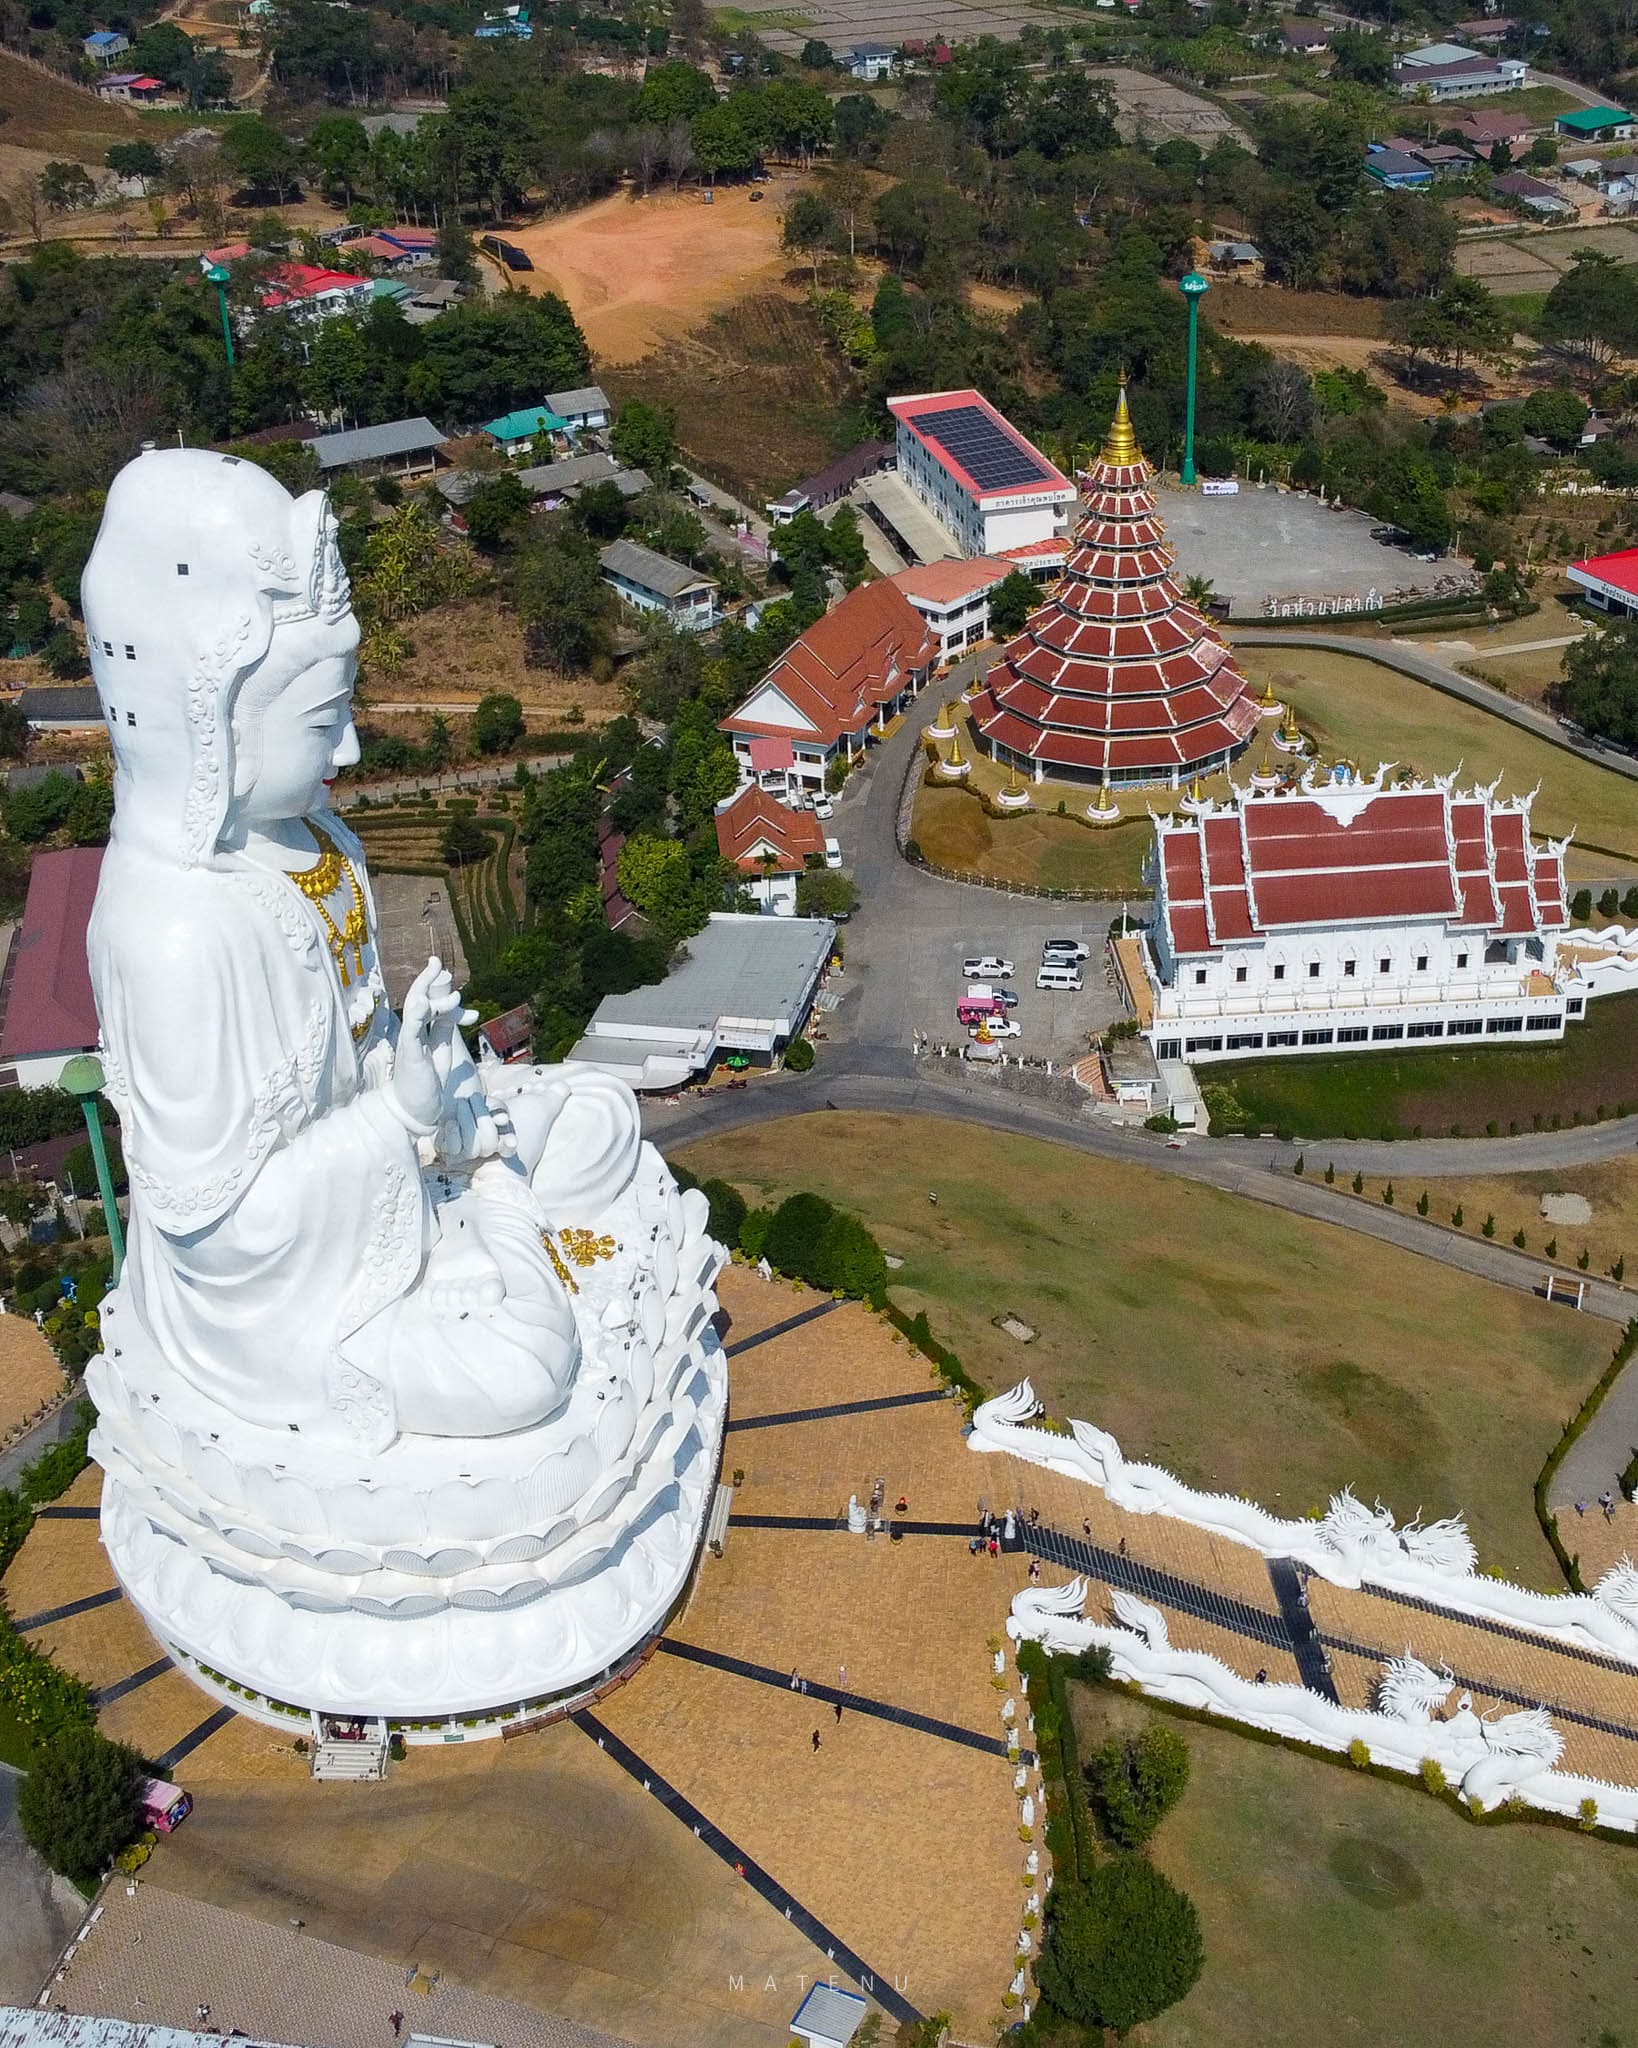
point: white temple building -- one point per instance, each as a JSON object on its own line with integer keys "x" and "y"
{"x": 1348, "y": 913}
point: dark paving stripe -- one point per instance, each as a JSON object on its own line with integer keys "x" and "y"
{"x": 84, "y": 1606}
{"x": 840, "y": 1408}
{"x": 829, "y": 1945}
{"x": 1498, "y": 1692}
{"x": 1530, "y": 1637}
{"x": 1165, "y": 1589}
{"x": 106, "y": 1695}
{"x": 835, "y": 1523}
{"x": 1312, "y": 1667}
{"x": 852, "y": 1702}
{"x": 191, "y": 1741}
{"x": 67, "y": 1514}
{"x": 783, "y": 1329}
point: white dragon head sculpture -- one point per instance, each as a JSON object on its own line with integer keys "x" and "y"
{"x": 1443, "y": 1546}
{"x": 1411, "y": 1690}
{"x": 1142, "y": 1619}
{"x": 1015, "y": 1406}
{"x": 1529, "y": 1734}
{"x": 1037, "y": 1608}
{"x": 1618, "y": 1590}
{"x": 1349, "y": 1524}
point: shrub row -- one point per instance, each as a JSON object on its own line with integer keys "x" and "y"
{"x": 1573, "y": 1429}
{"x": 43, "y": 1698}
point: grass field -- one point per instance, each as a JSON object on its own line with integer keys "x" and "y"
{"x": 757, "y": 390}
{"x": 1323, "y": 1890}
{"x": 954, "y": 831}
{"x": 1401, "y": 1095}
{"x": 1356, "y": 708}
{"x": 1245, "y": 1349}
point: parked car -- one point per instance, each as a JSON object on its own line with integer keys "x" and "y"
{"x": 983, "y": 992}
{"x": 1062, "y": 974}
{"x": 509, "y": 253}
{"x": 999, "y": 1027}
{"x": 987, "y": 967}
{"x": 833, "y": 852}
{"x": 823, "y": 807}
{"x": 1064, "y": 949}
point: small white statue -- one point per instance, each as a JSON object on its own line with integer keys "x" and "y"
{"x": 1032, "y": 1864}
{"x": 857, "y": 1520}
{"x": 1009, "y": 1529}
{"x": 1027, "y": 1811}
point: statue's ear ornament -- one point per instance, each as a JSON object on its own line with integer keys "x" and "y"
{"x": 307, "y": 580}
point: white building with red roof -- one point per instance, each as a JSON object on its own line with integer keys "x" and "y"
{"x": 1610, "y": 581}
{"x": 307, "y": 292}
{"x": 994, "y": 492}
{"x": 1117, "y": 679}
{"x": 770, "y": 844}
{"x": 842, "y": 680}
{"x": 954, "y": 598}
{"x": 1351, "y": 913}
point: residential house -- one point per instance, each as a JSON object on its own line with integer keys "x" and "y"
{"x": 134, "y": 88}
{"x": 1443, "y": 159}
{"x": 833, "y": 482}
{"x": 1448, "y": 71}
{"x": 105, "y": 44}
{"x": 404, "y": 448}
{"x": 1489, "y": 28}
{"x": 869, "y": 62}
{"x": 1597, "y": 124}
{"x": 62, "y": 707}
{"x": 652, "y": 582}
{"x": 516, "y": 433}
{"x": 1533, "y": 195}
{"x": 1609, "y": 581}
{"x": 770, "y": 844}
{"x": 1305, "y": 37}
{"x": 1482, "y": 131}
{"x": 583, "y": 410}
{"x": 305, "y": 292}
{"x": 843, "y": 679}
{"x": 1243, "y": 260}
{"x": 508, "y": 1037}
{"x": 50, "y": 1013}
{"x": 1355, "y": 914}
{"x": 220, "y": 259}
{"x": 953, "y": 597}
{"x": 1395, "y": 168}
{"x": 561, "y": 482}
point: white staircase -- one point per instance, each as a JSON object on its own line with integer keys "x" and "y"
{"x": 367, "y": 1759}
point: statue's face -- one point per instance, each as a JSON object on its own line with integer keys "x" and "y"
{"x": 297, "y": 720}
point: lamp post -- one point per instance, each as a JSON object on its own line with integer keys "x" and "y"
{"x": 217, "y": 275}
{"x": 82, "y": 1077}
{"x": 1194, "y": 288}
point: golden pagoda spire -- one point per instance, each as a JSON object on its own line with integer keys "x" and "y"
{"x": 1121, "y": 450}
{"x": 1197, "y": 793}
{"x": 1105, "y": 801}
{"x": 1290, "y": 731}
{"x": 955, "y": 748}
{"x": 1268, "y": 701}
{"x": 1014, "y": 786}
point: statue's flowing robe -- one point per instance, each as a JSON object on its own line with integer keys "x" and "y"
{"x": 277, "y": 1200}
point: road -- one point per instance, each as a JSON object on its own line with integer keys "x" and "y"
{"x": 1425, "y": 668}
{"x": 38, "y": 1912}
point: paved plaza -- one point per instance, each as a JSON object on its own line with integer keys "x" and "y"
{"x": 1265, "y": 546}
{"x": 415, "y": 921}
{"x": 675, "y": 1866}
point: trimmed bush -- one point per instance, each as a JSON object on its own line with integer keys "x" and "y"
{"x": 728, "y": 1210}
{"x": 798, "y": 1056}
{"x": 1120, "y": 1947}
{"x": 753, "y": 1232}
{"x": 80, "y": 1803}
{"x": 1136, "y": 1783}
{"x": 795, "y": 1234}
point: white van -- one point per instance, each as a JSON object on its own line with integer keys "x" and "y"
{"x": 1055, "y": 974}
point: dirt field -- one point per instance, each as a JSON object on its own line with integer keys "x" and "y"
{"x": 463, "y": 651}
{"x": 638, "y": 273}
{"x": 1256, "y": 310}
{"x": 756, "y": 391}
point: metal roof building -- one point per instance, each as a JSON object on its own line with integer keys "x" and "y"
{"x": 50, "y": 1013}
{"x": 397, "y": 444}
{"x": 743, "y": 984}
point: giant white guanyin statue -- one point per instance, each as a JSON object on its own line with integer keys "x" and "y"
{"x": 410, "y": 1401}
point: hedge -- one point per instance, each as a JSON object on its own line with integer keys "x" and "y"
{"x": 41, "y": 1697}
{"x": 1577, "y": 1425}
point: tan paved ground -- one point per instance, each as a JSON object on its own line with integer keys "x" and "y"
{"x": 30, "y": 1377}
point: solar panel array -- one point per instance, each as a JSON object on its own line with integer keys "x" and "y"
{"x": 989, "y": 455}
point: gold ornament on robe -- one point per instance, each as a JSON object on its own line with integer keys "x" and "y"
{"x": 585, "y": 1247}
{"x": 319, "y": 882}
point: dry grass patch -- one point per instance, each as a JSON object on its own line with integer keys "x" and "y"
{"x": 1244, "y": 309}
{"x": 465, "y": 651}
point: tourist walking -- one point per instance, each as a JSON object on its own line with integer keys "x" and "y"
{"x": 816, "y": 1741}
{"x": 796, "y": 1681}
{"x": 841, "y": 1676}
{"x": 395, "y": 2020}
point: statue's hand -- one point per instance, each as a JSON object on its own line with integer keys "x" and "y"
{"x": 417, "y": 1084}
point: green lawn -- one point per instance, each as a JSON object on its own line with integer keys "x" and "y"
{"x": 1397, "y": 1095}
{"x": 1358, "y": 709}
{"x": 953, "y": 830}
{"x": 1248, "y": 1350}
{"x": 1341, "y": 1909}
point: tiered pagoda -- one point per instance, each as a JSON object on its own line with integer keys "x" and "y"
{"x": 1117, "y": 679}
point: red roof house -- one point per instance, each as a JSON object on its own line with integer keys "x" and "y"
{"x": 769, "y": 843}
{"x": 1117, "y": 678}
{"x": 1610, "y": 581}
{"x": 50, "y": 1013}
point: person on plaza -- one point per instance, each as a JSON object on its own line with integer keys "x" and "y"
{"x": 816, "y": 1741}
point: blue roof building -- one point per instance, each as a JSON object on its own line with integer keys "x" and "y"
{"x": 1395, "y": 169}
{"x": 105, "y": 44}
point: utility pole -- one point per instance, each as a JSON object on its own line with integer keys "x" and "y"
{"x": 1194, "y": 288}
{"x": 217, "y": 275}
{"x": 83, "y": 1077}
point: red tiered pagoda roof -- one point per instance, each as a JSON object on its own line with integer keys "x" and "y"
{"x": 1117, "y": 675}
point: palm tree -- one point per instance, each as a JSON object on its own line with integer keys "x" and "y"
{"x": 1199, "y": 592}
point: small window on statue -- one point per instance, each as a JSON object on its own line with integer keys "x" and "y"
{"x": 1279, "y": 970}
{"x": 1348, "y": 967}
{"x": 1313, "y": 970}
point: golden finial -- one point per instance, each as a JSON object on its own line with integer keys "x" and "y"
{"x": 1290, "y": 730}
{"x": 1105, "y": 802}
{"x": 1014, "y": 786}
{"x": 1268, "y": 700}
{"x": 955, "y": 748}
{"x": 1198, "y": 793}
{"x": 1121, "y": 450}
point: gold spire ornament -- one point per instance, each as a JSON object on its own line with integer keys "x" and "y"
{"x": 955, "y": 749}
{"x": 1268, "y": 701}
{"x": 1014, "y": 786}
{"x": 317, "y": 884}
{"x": 1105, "y": 801}
{"x": 1121, "y": 450}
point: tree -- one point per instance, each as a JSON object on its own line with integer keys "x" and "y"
{"x": 825, "y": 892}
{"x": 795, "y": 1235}
{"x": 817, "y": 56}
{"x": 135, "y": 160}
{"x": 723, "y": 140}
{"x": 1598, "y": 687}
{"x": 602, "y": 510}
{"x": 1136, "y": 1783}
{"x": 1120, "y": 1947}
{"x": 1366, "y": 59}
{"x": 452, "y": 254}
{"x": 1591, "y": 314}
{"x": 81, "y": 1802}
{"x": 728, "y": 1210}
{"x": 1011, "y": 602}
{"x": 644, "y": 437}
{"x": 674, "y": 92}
{"x": 338, "y": 148}
{"x": 849, "y": 1259}
{"x": 1556, "y": 414}
{"x": 1284, "y": 400}
{"x": 465, "y": 841}
{"x": 67, "y": 186}
{"x": 497, "y": 723}
{"x": 14, "y": 732}
{"x": 261, "y": 157}
{"x": 807, "y": 227}
{"x": 564, "y": 605}
{"x": 497, "y": 511}
{"x": 1462, "y": 320}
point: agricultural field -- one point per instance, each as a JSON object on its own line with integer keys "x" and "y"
{"x": 487, "y": 894}
{"x": 1248, "y": 1350}
{"x": 1358, "y": 710}
{"x": 1372, "y": 1094}
{"x": 639, "y": 273}
{"x": 1248, "y": 310}
{"x": 1316, "y": 1882}
{"x": 756, "y": 390}
{"x": 954, "y": 831}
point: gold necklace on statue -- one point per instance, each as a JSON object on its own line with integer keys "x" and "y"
{"x": 317, "y": 883}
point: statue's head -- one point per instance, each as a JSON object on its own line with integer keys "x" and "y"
{"x": 222, "y": 641}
